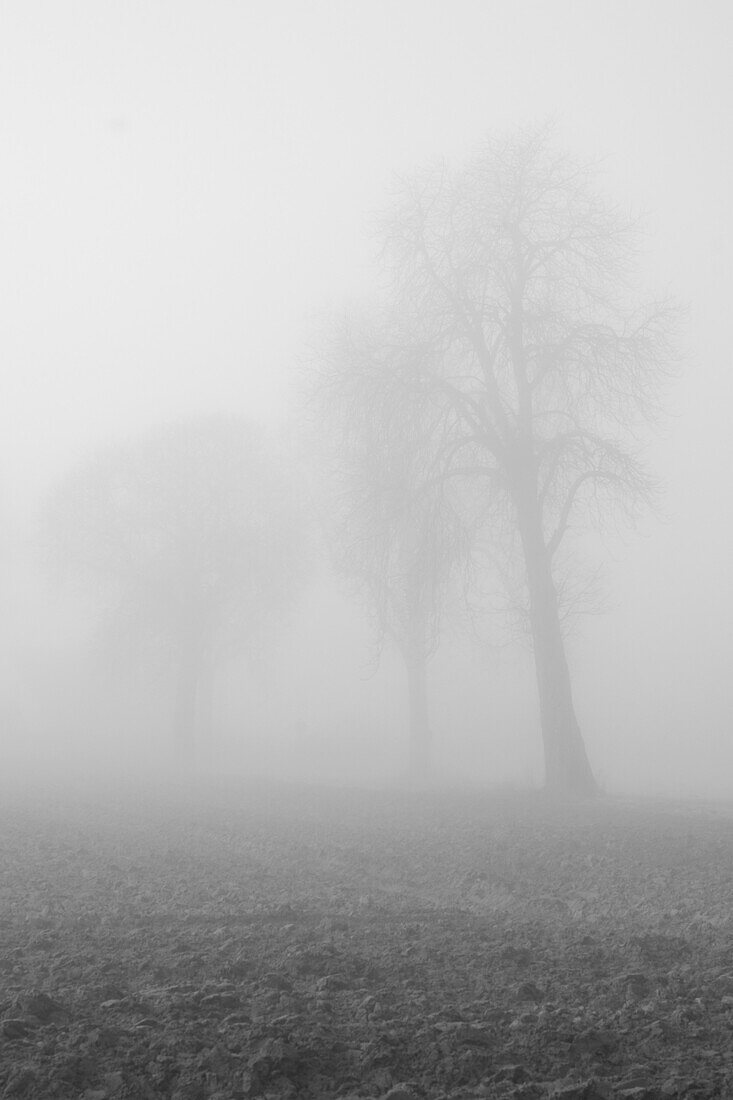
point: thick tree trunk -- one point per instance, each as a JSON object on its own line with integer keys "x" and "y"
{"x": 567, "y": 770}
{"x": 419, "y": 725}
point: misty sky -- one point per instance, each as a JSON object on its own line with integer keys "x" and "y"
{"x": 186, "y": 185}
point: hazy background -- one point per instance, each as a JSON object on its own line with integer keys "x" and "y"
{"x": 186, "y": 185}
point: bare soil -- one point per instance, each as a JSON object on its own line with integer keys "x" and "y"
{"x": 239, "y": 942}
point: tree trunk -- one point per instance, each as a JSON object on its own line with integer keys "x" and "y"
{"x": 567, "y": 770}
{"x": 419, "y": 725}
{"x": 205, "y": 709}
{"x": 187, "y": 691}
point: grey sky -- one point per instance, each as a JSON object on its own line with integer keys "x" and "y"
{"x": 183, "y": 181}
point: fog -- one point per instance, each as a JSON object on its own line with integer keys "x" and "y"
{"x": 188, "y": 190}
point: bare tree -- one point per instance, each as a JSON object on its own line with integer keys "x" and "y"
{"x": 191, "y": 536}
{"x": 392, "y": 534}
{"x": 526, "y": 350}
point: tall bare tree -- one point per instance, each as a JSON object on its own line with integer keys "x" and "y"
{"x": 526, "y": 359}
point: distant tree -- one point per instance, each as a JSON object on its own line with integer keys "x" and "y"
{"x": 191, "y": 538}
{"x": 396, "y": 538}
{"x": 524, "y": 360}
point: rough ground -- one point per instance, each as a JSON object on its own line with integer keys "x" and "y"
{"x": 296, "y": 943}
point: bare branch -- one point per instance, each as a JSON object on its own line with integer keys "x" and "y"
{"x": 562, "y": 526}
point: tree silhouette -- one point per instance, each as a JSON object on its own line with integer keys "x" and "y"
{"x": 191, "y": 538}
{"x": 397, "y": 539}
{"x": 522, "y": 359}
